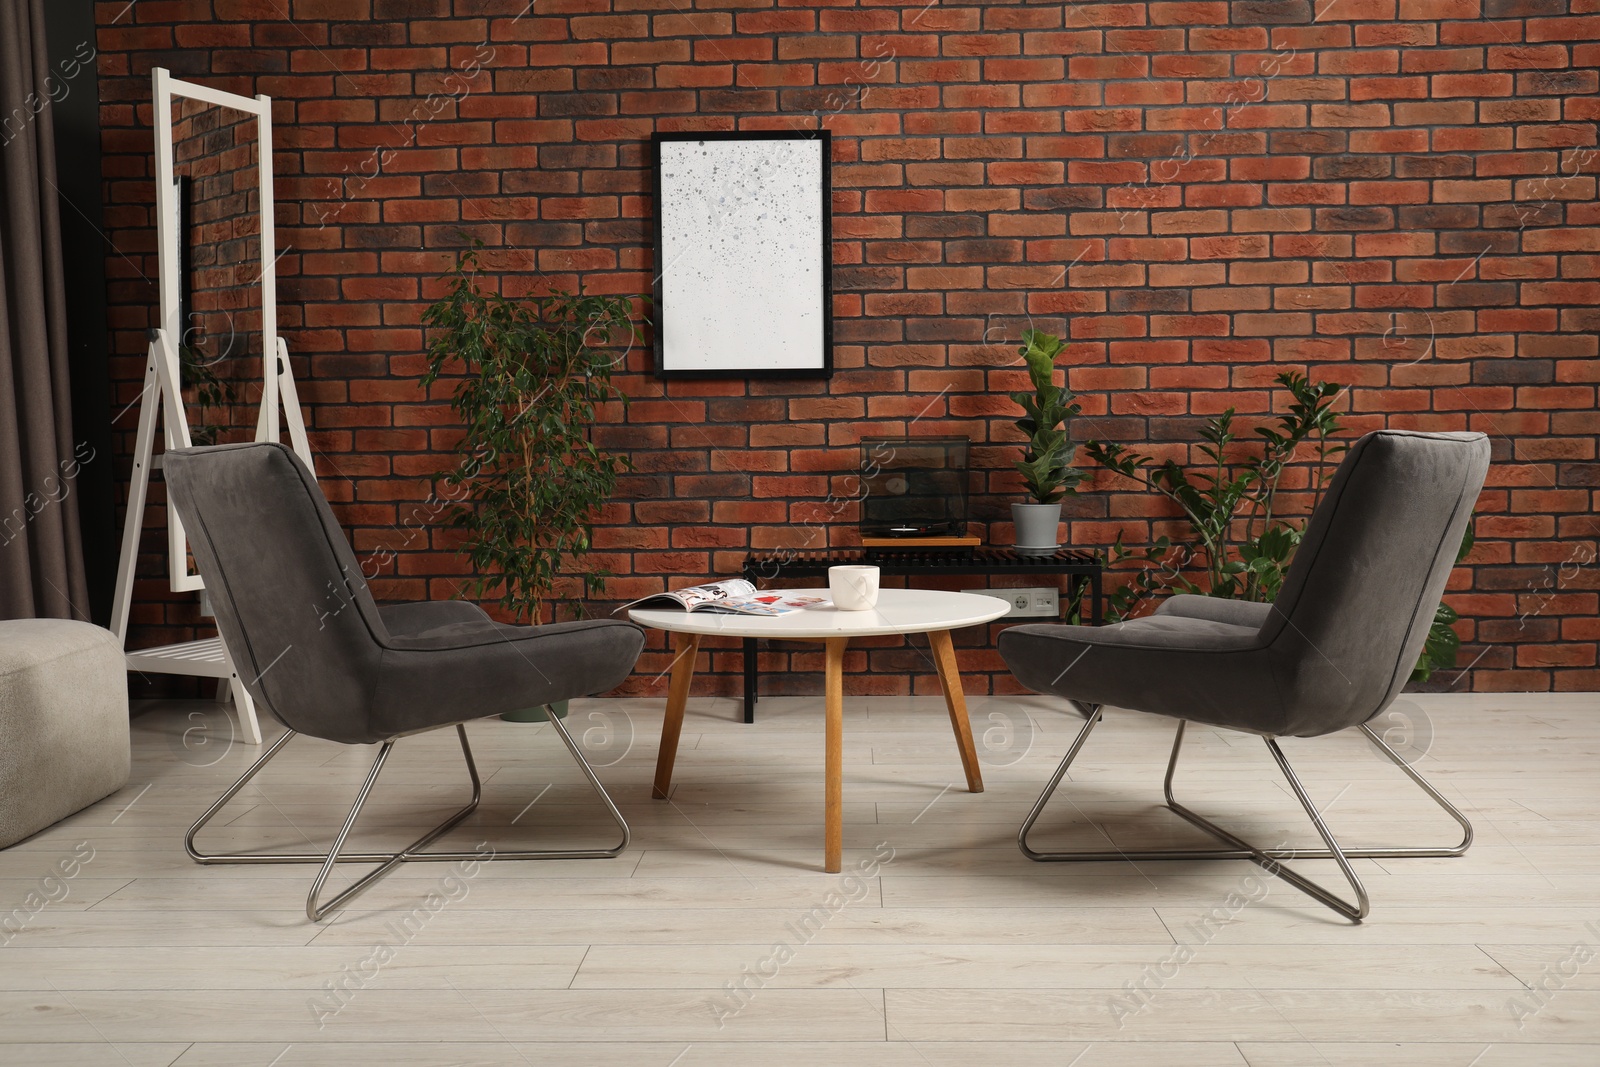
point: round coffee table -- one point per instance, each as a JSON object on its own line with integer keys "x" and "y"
{"x": 899, "y": 611}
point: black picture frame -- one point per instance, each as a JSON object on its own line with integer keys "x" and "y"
{"x": 663, "y": 313}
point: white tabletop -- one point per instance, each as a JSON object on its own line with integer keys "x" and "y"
{"x": 899, "y": 611}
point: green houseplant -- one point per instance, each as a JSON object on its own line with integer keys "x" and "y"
{"x": 213, "y": 394}
{"x": 529, "y": 480}
{"x": 1046, "y": 463}
{"x": 1243, "y": 543}
{"x": 1443, "y": 642}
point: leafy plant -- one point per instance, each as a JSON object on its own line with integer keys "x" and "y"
{"x": 535, "y": 373}
{"x": 1159, "y": 567}
{"x": 211, "y": 392}
{"x": 1443, "y": 643}
{"x": 1243, "y": 544}
{"x": 1046, "y": 463}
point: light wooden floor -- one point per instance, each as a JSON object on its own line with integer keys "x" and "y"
{"x": 956, "y": 951}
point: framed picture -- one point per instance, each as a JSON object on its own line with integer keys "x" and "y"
{"x": 743, "y": 255}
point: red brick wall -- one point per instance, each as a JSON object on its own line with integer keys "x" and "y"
{"x": 1398, "y": 195}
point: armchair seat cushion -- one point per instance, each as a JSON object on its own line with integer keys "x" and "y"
{"x": 1237, "y": 612}
{"x": 1184, "y": 667}
{"x": 469, "y": 670}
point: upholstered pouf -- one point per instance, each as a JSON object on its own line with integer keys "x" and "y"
{"x": 63, "y": 722}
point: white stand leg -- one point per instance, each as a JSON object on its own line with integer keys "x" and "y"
{"x": 245, "y": 708}
{"x": 206, "y": 657}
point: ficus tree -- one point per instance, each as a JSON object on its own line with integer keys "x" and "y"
{"x": 533, "y": 374}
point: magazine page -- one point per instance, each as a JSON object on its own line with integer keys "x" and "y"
{"x": 694, "y": 596}
{"x": 699, "y": 596}
{"x": 772, "y": 602}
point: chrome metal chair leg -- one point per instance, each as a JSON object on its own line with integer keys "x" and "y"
{"x": 387, "y": 861}
{"x": 314, "y": 912}
{"x": 1362, "y": 905}
{"x": 1374, "y": 852}
{"x": 1449, "y": 809}
{"x": 1240, "y": 849}
{"x": 221, "y": 802}
{"x": 321, "y": 857}
{"x": 1271, "y": 859}
{"x": 594, "y": 780}
{"x": 1092, "y": 717}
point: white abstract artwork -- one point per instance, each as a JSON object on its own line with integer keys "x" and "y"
{"x": 742, "y": 255}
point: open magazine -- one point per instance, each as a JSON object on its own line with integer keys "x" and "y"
{"x": 735, "y": 597}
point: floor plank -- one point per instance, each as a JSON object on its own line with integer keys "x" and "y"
{"x": 716, "y": 940}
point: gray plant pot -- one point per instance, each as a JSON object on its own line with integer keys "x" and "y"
{"x": 538, "y": 714}
{"x": 1036, "y": 527}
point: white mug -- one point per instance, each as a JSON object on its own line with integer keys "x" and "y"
{"x": 854, "y": 587}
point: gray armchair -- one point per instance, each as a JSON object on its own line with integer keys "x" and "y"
{"x": 315, "y": 650}
{"x": 1332, "y": 652}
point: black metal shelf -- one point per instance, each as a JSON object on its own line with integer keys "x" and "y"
{"x": 1083, "y": 567}
{"x": 908, "y": 561}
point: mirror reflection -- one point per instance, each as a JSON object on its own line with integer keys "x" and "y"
{"x": 216, "y": 228}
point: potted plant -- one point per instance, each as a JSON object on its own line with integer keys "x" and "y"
{"x": 1242, "y": 540}
{"x": 529, "y": 478}
{"x": 1241, "y": 536}
{"x": 1046, "y": 464}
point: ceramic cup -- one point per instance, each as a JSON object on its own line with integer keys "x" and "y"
{"x": 854, "y": 588}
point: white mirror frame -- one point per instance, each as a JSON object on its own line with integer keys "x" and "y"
{"x": 169, "y": 259}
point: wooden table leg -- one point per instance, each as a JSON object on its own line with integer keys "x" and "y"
{"x": 684, "y": 648}
{"x": 833, "y": 698}
{"x": 944, "y": 658}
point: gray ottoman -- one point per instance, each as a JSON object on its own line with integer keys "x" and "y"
{"x": 63, "y": 722}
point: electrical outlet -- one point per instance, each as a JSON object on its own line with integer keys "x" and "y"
{"x": 1026, "y": 603}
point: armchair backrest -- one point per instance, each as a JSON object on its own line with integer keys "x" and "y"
{"x": 289, "y": 597}
{"x": 1359, "y": 598}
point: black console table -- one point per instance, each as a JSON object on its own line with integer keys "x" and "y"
{"x": 1083, "y": 568}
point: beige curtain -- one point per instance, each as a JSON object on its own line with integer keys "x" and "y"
{"x": 41, "y": 553}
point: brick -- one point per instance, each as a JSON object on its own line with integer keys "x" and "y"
{"x": 1398, "y": 194}
{"x": 1474, "y": 85}
{"x": 1558, "y": 83}
{"x": 1270, "y": 12}
{"x": 1407, "y": 88}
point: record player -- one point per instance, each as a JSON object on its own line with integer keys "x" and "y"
{"x": 913, "y": 488}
